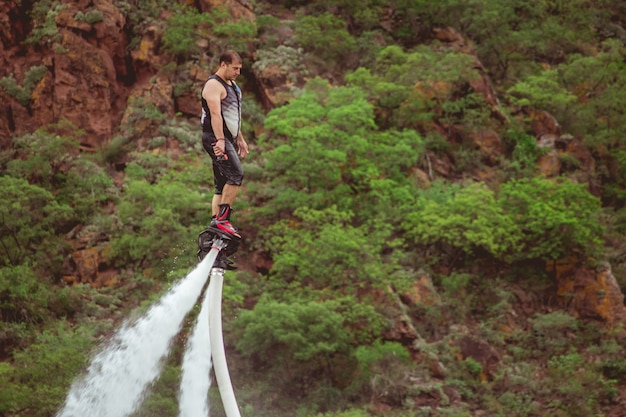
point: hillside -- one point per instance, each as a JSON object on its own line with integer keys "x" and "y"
{"x": 433, "y": 210}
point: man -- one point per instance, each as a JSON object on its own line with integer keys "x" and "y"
{"x": 222, "y": 137}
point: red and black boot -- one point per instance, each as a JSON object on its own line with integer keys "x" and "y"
{"x": 222, "y": 221}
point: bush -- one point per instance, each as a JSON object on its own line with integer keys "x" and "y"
{"x": 91, "y": 16}
{"x": 31, "y": 78}
{"x": 469, "y": 219}
{"x": 326, "y": 37}
{"x": 555, "y": 218}
{"x": 551, "y": 332}
{"x": 31, "y": 218}
{"x": 153, "y": 220}
{"x": 187, "y": 26}
{"x": 42, "y": 373}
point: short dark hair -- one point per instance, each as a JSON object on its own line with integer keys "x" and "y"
{"x": 230, "y": 56}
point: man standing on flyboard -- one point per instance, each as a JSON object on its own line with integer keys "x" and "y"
{"x": 223, "y": 140}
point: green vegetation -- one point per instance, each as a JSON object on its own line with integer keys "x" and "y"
{"x": 43, "y": 17}
{"x": 90, "y": 16}
{"x": 186, "y": 27}
{"x": 404, "y": 264}
{"x": 31, "y": 78}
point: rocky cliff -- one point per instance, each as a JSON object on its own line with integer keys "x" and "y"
{"x": 93, "y": 59}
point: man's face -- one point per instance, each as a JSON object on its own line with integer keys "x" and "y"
{"x": 231, "y": 71}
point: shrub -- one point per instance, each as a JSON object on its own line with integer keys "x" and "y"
{"x": 44, "y": 13}
{"x": 468, "y": 219}
{"x": 31, "y": 217}
{"x": 43, "y": 372}
{"x": 23, "y": 94}
{"x": 186, "y": 26}
{"x": 91, "y": 16}
{"x": 326, "y": 37}
{"x": 551, "y": 331}
{"x": 555, "y": 217}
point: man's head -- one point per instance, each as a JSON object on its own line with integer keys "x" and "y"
{"x": 230, "y": 57}
{"x": 230, "y": 65}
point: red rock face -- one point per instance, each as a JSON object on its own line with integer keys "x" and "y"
{"x": 590, "y": 294}
{"x": 87, "y": 69}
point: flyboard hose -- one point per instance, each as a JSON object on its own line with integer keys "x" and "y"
{"x": 217, "y": 339}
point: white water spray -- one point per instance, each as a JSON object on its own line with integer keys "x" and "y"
{"x": 118, "y": 376}
{"x": 196, "y": 380}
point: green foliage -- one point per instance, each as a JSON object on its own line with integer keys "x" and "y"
{"x": 584, "y": 388}
{"x": 556, "y": 218}
{"x": 597, "y": 81}
{"x": 353, "y": 412}
{"x": 47, "y": 155}
{"x": 306, "y": 330}
{"x": 525, "y": 152}
{"x": 325, "y": 35}
{"x": 385, "y": 371}
{"x": 23, "y": 94}
{"x": 512, "y": 36}
{"x": 187, "y": 26}
{"x": 153, "y": 220}
{"x": 335, "y": 128}
{"x": 368, "y": 356}
{"x": 333, "y": 195}
{"x": 551, "y": 331}
{"x": 408, "y": 88}
{"x": 542, "y": 91}
{"x": 181, "y": 35}
{"x": 40, "y": 375}
{"x": 31, "y": 217}
{"x": 234, "y": 34}
{"x": 50, "y": 158}
{"x": 350, "y": 259}
{"x": 518, "y": 405}
{"x": 43, "y": 15}
{"x": 288, "y": 59}
{"x": 23, "y": 296}
{"x": 297, "y": 340}
{"x": 534, "y": 218}
{"x": 468, "y": 220}
{"x": 90, "y": 16}
{"x": 186, "y": 135}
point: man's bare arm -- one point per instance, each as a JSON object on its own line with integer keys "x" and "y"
{"x": 213, "y": 93}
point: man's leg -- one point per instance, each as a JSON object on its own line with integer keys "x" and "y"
{"x": 229, "y": 194}
{"x": 222, "y": 205}
{"x": 227, "y": 197}
{"x": 215, "y": 205}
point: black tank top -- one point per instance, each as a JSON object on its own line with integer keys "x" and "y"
{"x": 231, "y": 110}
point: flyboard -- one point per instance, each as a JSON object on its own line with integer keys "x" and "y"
{"x": 225, "y": 244}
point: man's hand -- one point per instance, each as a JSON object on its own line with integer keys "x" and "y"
{"x": 219, "y": 147}
{"x": 242, "y": 145}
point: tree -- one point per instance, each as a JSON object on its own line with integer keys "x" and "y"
{"x": 307, "y": 342}
{"x": 30, "y": 218}
{"x": 326, "y": 37}
{"x": 50, "y": 158}
{"x": 153, "y": 219}
{"x": 411, "y": 89}
{"x": 597, "y": 82}
{"x": 350, "y": 258}
{"x": 187, "y": 26}
{"x": 345, "y": 152}
{"x": 45, "y": 370}
{"x": 556, "y": 218}
{"x": 469, "y": 219}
